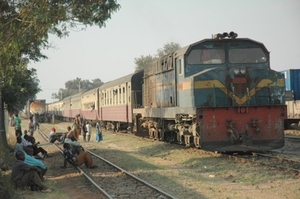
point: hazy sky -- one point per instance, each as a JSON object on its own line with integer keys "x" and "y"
{"x": 141, "y": 27}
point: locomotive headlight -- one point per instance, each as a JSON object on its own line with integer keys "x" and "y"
{"x": 236, "y": 71}
{"x": 243, "y": 71}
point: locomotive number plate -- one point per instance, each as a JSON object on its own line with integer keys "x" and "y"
{"x": 239, "y": 80}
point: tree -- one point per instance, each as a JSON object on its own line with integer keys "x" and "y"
{"x": 24, "y": 29}
{"x": 143, "y": 61}
{"x": 168, "y": 48}
{"x": 72, "y": 87}
{"x": 18, "y": 85}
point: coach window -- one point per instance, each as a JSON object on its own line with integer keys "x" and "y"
{"x": 117, "y": 96}
{"x": 128, "y": 95}
{"x": 123, "y": 97}
{"x": 114, "y": 96}
{"x": 120, "y": 95}
{"x": 109, "y": 93}
{"x": 106, "y": 98}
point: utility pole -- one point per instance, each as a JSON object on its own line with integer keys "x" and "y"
{"x": 79, "y": 85}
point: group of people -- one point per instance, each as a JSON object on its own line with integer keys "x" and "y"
{"x": 16, "y": 122}
{"x": 77, "y": 128}
{"x": 29, "y": 169}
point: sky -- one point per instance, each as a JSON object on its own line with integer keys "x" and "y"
{"x": 141, "y": 27}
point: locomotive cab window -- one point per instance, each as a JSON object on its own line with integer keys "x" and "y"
{"x": 206, "y": 56}
{"x": 247, "y": 55}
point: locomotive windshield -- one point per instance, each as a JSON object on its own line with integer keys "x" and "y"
{"x": 247, "y": 55}
{"x": 206, "y": 56}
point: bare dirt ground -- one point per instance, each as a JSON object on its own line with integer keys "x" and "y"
{"x": 182, "y": 172}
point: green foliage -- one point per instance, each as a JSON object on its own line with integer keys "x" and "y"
{"x": 74, "y": 86}
{"x": 18, "y": 84}
{"x": 143, "y": 61}
{"x": 24, "y": 29}
{"x": 168, "y": 48}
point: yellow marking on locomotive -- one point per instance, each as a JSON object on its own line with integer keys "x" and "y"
{"x": 210, "y": 84}
{"x": 184, "y": 86}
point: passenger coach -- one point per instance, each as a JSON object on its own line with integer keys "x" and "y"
{"x": 117, "y": 99}
{"x": 89, "y": 105}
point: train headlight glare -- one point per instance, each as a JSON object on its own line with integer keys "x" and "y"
{"x": 236, "y": 71}
{"x": 243, "y": 71}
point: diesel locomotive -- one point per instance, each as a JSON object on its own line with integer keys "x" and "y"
{"x": 218, "y": 94}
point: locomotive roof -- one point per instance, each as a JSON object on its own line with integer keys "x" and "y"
{"x": 185, "y": 49}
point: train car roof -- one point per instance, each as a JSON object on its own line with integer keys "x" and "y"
{"x": 55, "y": 102}
{"x": 119, "y": 81}
{"x": 77, "y": 94}
{"x": 90, "y": 91}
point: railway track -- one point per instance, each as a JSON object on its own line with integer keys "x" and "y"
{"x": 292, "y": 138}
{"x": 102, "y": 179}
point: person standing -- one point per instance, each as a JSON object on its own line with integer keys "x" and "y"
{"x": 23, "y": 175}
{"x": 84, "y": 130}
{"x": 79, "y": 124}
{"x": 17, "y": 125}
{"x": 88, "y": 131}
{"x": 36, "y": 122}
{"x": 31, "y": 126}
{"x": 53, "y": 119}
{"x": 75, "y": 128}
{"x": 98, "y": 132}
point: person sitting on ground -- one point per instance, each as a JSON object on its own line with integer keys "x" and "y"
{"x": 77, "y": 158}
{"x": 37, "y": 149}
{"x": 53, "y": 136}
{"x": 70, "y": 134}
{"x": 25, "y": 139}
{"x": 29, "y": 141}
{"x": 68, "y": 137}
{"x": 29, "y": 159}
{"x": 24, "y": 175}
